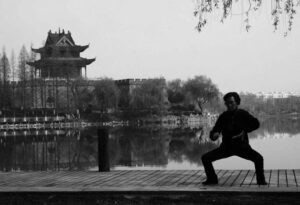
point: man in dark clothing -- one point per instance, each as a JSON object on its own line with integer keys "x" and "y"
{"x": 233, "y": 124}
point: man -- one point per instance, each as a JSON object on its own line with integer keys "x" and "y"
{"x": 233, "y": 124}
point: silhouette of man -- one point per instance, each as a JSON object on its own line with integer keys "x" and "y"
{"x": 233, "y": 124}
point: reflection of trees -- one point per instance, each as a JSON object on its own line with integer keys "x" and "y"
{"x": 190, "y": 145}
{"x": 137, "y": 147}
{"x": 65, "y": 150}
{"x": 77, "y": 150}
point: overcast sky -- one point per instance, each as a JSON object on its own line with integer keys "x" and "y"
{"x": 154, "y": 38}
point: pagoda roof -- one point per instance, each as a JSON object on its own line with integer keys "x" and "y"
{"x": 62, "y": 61}
{"x": 75, "y": 47}
{"x": 54, "y": 38}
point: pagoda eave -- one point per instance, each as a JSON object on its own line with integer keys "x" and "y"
{"x": 77, "y": 62}
{"x": 89, "y": 61}
{"x": 38, "y": 50}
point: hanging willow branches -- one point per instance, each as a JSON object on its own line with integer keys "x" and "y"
{"x": 281, "y": 10}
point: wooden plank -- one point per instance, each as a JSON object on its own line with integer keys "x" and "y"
{"x": 138, "y": 179}
{"x": 150, "y": 178}
{"x": 124, "y": 179}
{"x": 159, "y": 176}
{"x": 169, "y": 176}
{"x": 248, "y": 178}
{"x": 187, "y": 178}
{"x": 34, "y": 181}
{"x": 239, "y": 181}
{"x": 69, "y": 177}
{"x": 273, "y": 182}
{"x": 297, "y": 177}
{"x": 113, "y": 177}
{"x": 195, "y": 180}
{"x": 121, "y": 179}
{"x": 22, "y": 177}
{"x": 267, "y": 174}
{"x": 253, "y": 183}
{"x": 103, "y": 177}
{"x": 282, "y": 178}
{"x": 67, "y": 180}
{"x": 221, "y": 173}
{"x": 95, "y": 177}
{"x": 225, "y": 177}
{"x": 182, "y": 177}
{"x": 233, "y": 177}
{"x": 291, "y": 181}
{"x": 176, "y": 176}
{"x": 11, "y": 177}
{"x": 50, "y": 179}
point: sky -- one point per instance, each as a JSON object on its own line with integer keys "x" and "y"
{"x": 157, "y": 38}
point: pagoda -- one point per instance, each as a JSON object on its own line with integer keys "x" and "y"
{"x": 60, "y": 57}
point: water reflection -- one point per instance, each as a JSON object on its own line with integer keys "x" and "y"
{"x": 47, "y": 150}
{"x": 147, "y": 147}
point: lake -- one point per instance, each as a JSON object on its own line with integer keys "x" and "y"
{"x": 146, "y": 147}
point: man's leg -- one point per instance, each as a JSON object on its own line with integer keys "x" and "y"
{"x": 210, "y": 157}
{"x": 248, "y": 153}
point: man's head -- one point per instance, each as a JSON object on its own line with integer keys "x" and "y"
{"x": 232, "y": 100}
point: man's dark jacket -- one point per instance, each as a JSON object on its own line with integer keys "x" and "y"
{"x": 232, "y": 123}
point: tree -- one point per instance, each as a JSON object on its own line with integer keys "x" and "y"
{"x": 5, "y": 73}
{"x": 200, "y": 90}
{"x": 175, "y": 91}
{"x": 31, "y": 72}
{"x": 13, "y": 75}
{"x": 23, "y": 74}
{"x": 282, "y": 10}
{"x": 107, "y": 94}
{"x": 150, "y": 94}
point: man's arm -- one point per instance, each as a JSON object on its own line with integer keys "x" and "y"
{"x": 218, "y": 127}
{"x": 251, "y": 123}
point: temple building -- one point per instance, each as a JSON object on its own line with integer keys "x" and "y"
{"x": 60, "y": 57}
{"x": 59, "y": 78}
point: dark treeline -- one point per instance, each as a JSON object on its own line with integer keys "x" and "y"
{"x": 14, "y": 70}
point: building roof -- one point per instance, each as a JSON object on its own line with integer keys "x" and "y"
{"x": 62, "y": 61}
{"x": 76, "y": 48}
{"x": 54, "y": 38}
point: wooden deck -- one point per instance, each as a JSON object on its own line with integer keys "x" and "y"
{"x": 147, "y": 181}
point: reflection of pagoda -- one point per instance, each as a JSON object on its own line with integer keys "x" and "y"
{"x": 60, "y": 57}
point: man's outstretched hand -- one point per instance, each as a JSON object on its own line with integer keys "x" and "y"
{"x": 214, "y": 136}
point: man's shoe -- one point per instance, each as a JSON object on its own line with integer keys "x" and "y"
{"x": 210, "y": 182}
{"x": 262, "y": 183}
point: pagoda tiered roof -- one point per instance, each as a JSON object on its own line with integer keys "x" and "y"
{"x": 60, "y": 53}
{"x": 76, "y": 48}
{"x": 81, "y": 62}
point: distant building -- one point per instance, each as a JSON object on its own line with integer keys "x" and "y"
{"x": 276, "y": 95}
{"x": 126, "y": 87}
{"x": 60, "y": 57}
{"x": 57, "y": 74}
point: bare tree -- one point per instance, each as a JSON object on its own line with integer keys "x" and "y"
{"x": 32, "y": 79}
{"x": 5, "y": 73}
{"x": 23, "y": 74}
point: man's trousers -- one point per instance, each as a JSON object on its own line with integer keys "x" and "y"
{"x": 242, "y": 150}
